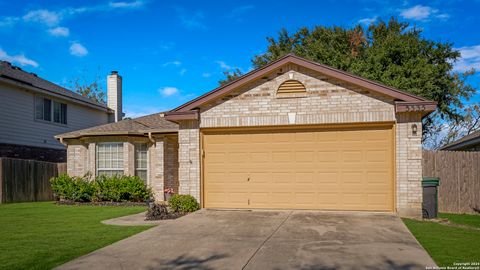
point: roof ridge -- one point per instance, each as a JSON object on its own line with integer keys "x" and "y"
{"x": 12, "y": 72}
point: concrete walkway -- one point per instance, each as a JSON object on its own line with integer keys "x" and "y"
{"x": 306, "y": 240}
{"x": 132, "y": 220}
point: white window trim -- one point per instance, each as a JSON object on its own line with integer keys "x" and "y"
{"x": 97, "y": 160}
{"x": 52, "y": 100}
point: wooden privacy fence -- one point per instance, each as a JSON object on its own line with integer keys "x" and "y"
{"x": 459, "y": 173}
{"x": 24, "y": 180}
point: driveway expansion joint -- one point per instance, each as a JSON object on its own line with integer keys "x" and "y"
{"x": 266, "y": 240}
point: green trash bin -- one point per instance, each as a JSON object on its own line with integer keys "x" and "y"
{"x": 430, "y": 197}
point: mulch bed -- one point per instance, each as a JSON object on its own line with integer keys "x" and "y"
{"x": 102, "y": 203}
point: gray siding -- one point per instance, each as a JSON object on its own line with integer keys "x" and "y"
{"x": 18, "y": 124}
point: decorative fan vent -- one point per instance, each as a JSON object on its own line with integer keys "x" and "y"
{"x": 291, "y": 86}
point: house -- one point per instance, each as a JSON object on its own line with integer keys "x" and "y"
{"x": 470, "y": 142}
{"x": 293, "y": 134}
{"x": 33, "y": 110}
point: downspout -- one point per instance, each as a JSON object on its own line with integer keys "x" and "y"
{"x": 151, "y": 138}
{"x": 61, "y": 141}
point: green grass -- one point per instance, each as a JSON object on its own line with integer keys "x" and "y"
{"x": 468, "y": 220}
{"x": 448, "y": 244}
{"x": 43, "y": 235}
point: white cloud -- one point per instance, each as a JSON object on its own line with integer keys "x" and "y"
{"x": 168, "y": 91}
{"x": 17, "y": 59}
{"x": 206, "y": 74}
{"x": 59, "y": 31}
{"x": 172, "y": 63}
{"x": 238, "y": 11}
{"x": 422, "y": 13}
{"x": 470, "y": 58}
{"x": 133, "y": 4}
{"x": 183, "y": 71}
{"x": 8, "y": 21}
{"x": 223, "y": 65}
{"x": 43, "y": 16}
{"x": 368, "y": 21}
{"x": 191, "y": 20}
{"x": 78, "y": 49}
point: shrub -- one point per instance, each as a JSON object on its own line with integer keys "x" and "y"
{"x": 118, "y": 188}
{"x": 156, "y": 212}
{"x": 183, "y": 203}
{"x": 72, "y": 188}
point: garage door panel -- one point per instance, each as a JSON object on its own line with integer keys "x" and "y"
{"x": 344, "y": 169}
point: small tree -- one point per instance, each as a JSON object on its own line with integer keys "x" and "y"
{"x": 446, "y": 132}
{"x": 92, "y": 90}
{"x": 230, "y": 75}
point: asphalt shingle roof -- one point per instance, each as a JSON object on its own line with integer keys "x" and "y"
{"x": 138, "y": 126}
{"x": 16, "y": 74}
{"x": 469, "y": 137}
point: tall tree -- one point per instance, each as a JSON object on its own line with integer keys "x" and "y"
{"x": 92, "y": 90}
{"x": 392, "y": 53}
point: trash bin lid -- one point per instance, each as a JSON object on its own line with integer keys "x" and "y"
{"x": 430, "y": 181}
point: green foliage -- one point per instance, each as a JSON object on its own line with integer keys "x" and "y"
{"x": 231, "y": 76}
{"x": 118, "y": 188}
{"x": 183, "y": 203}
{"x": 92, "y": 90}
{"x": 72, "y": 188}
{"x": 393, "y": 53}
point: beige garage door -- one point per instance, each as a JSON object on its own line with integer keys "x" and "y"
{"x": 331, "y": 169}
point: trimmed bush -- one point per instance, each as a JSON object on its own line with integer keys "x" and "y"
{"x": 183, "y": 203}
{"x": 72, "y": 188}
{"x": 118, "y": 188}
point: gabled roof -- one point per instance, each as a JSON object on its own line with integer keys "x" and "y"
{"x": 403, "y": 99}
{"x": 16, "y": 76}
{"x": 463, "y": 142}
{"x": 154, "y": 123}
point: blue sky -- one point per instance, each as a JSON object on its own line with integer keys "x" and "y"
{"x": 171, "y": 51}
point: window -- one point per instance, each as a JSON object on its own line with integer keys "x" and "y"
{"x": 141, "y": 161}
{"x": 109, "y": 158}
{"x": 48, "y": 110}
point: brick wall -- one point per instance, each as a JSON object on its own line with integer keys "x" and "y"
{"x": 326, "y": 101}
{"x": 162, "y": 155}
{"x": 409, "y": 164}
{"x": 164, "y": 165}
{"x": 189, "y": 159}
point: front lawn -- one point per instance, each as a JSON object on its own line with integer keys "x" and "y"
{"x": 42, "y": 235}
{"x": 448, "y": 244}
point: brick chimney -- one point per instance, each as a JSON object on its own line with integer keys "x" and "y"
{"x": 114, "y": 95}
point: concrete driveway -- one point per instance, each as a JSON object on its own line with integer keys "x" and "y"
{"x": 211, "y": 239}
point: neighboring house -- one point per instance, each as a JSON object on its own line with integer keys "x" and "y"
{"x": 293, "y": 134}
{"x": 470, "y": 142}
{"x": 33, "y": 110}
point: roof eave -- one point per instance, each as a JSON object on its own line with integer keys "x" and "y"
{"x": 57, "y": 95}
{"x": 176, "y": 116}
{"x": 425, "y": 107}
{"x": 116, "y": 133}
{"x": 461, "y": 144}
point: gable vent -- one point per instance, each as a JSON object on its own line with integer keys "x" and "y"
{"x": 291, "y": 86}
